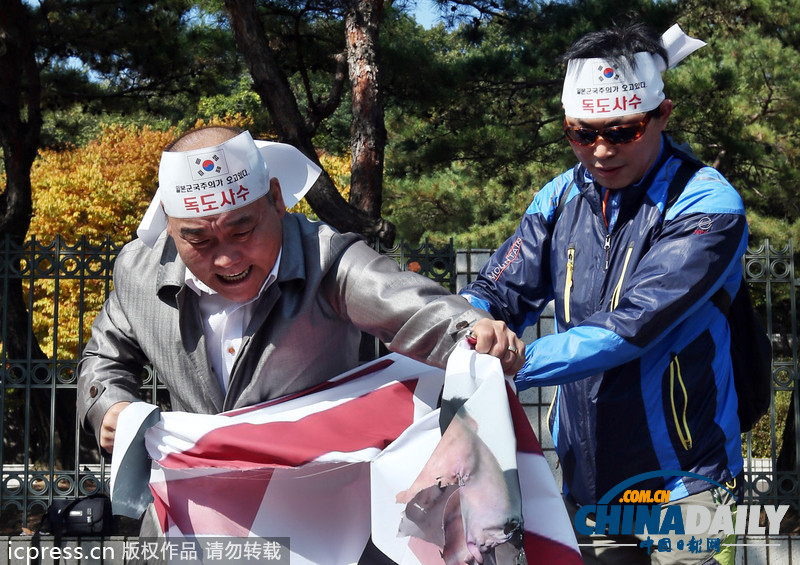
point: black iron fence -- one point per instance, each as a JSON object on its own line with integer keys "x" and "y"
{"x": 53, "y": 289}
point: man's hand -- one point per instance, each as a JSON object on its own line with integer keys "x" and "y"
{"x": 109, "y": 427}
{"x": 495, "y": 338}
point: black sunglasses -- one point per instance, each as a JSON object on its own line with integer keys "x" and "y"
{"x": 612, "y": 134}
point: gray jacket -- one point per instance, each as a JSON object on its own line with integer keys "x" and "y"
{"x": 305, "y": 327}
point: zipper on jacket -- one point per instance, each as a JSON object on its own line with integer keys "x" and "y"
{"x": 549, "y": 418}
{"x": 568, "y": 282}
{"x": 607, "y": 248}
{"x": 681, "y": 425}
{"x": 618, "y": 288}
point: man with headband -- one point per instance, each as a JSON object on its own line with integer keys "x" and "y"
{"x": 641, "y": 353}
{"x": 235, "y": 301}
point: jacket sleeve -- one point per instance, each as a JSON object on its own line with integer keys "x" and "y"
{"x": 112, "y": 363}
{"x": 412, "y": 314}
{"x": 697, "y": 252}
{"x": 523, "y": 260}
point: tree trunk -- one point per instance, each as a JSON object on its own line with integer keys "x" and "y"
{"x": 272, "y": 85}
{"x": 20, "y": 96}
{"x": 367, "y": 130}
{"x": 20, "y": 129}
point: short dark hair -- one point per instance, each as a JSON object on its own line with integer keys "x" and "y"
{"x": 617, "y": 43}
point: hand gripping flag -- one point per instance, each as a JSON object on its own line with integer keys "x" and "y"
{"x": 363, "y": 456}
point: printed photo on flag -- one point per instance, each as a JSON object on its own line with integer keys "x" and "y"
{"x": 451, "y": 486}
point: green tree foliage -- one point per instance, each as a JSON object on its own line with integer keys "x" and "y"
{"x": 481, "y": 119}
{"x": 475, "y": 130}
{"x": 149, "y": 61}
{"x": 484, "y": 113}
{"x": 737, "y": 105}
{"x": 472, "y": 108}
{"x": 467, "y": 131}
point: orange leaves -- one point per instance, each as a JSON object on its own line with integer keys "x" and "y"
{"x": 103, "y": 188}
{"x": 94, "y": 191}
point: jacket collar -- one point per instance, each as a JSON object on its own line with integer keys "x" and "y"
{"x": 632, "y": 195}
{"x": 172, "y": 273}
{"x": 293, "y": 260}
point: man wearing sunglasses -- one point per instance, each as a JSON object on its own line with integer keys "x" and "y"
{"x": 641, "y": 353}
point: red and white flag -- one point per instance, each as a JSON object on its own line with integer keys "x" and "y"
{"x": 355, "y": 458}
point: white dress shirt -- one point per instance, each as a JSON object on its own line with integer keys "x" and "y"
{"x": 224, "y": 322}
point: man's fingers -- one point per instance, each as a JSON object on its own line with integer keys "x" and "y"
{"x": 515, "y": 363}
{"x": 495, "y": 338}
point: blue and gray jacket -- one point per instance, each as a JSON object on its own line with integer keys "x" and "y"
{"x": 641, "y": 354}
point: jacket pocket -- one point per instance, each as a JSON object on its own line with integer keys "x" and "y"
{"x": 679, "y": 401}
{"x": 618, "y": 289}
{"x": 568, "y": 281}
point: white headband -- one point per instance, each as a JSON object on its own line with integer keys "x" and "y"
{"x": 598, "y": 88}
{"x": 213, "y": 180}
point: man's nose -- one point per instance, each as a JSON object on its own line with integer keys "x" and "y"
{"x": 227, "y": 257}
{"x": 604, "y": 149}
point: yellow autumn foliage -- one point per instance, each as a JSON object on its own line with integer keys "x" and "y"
{"x": 88, "y": 193}
{"x": 99, "y": 190}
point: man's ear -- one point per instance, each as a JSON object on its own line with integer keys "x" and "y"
{"x": 277, "y": 196}
{"x": 666, "y": 110}
{"x": 166, "y": 219}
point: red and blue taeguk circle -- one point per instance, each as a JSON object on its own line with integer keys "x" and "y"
{"x": 608, "y": 72}
{"x": 208, "y": 165}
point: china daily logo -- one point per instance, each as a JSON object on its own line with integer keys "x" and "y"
{"x": 624, "y": 510}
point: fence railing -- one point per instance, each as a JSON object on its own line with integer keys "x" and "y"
{"x": 52, "y": 290}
